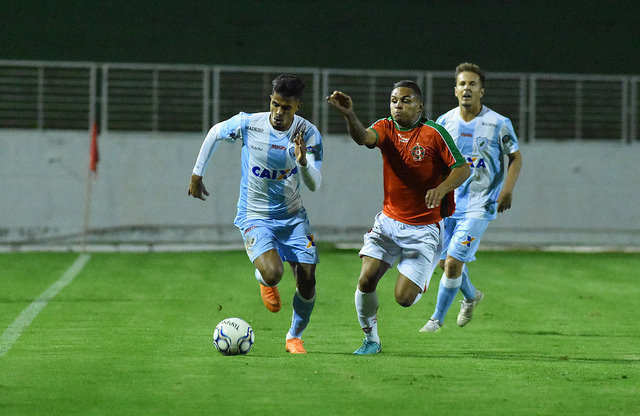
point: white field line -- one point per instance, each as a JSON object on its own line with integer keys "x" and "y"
{"x": 13, "y": 332}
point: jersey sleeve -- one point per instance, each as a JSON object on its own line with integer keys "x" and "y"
{"x": 508, "y": 139}
{"x": 310, "y": 173}
{"x": 313, "y": 139}
{"x": 448, "y": 149}
{"x": 381, "y": 129}
{"x": 230, "y": 130}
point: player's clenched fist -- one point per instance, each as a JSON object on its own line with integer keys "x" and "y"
{"x": 341, "y": 101}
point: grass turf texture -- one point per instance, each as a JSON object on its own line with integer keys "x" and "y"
{"x": 131, "y": 335}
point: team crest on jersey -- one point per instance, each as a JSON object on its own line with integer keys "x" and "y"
{"x": 481, "y": 142}
{"x": 317, "y": 150}
{"x": 418, "y": 153}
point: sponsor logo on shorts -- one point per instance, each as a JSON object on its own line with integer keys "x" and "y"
{"x": 468, "y": 241}
{"x": 311, "y": 242}
{"x": 250, "y": 228}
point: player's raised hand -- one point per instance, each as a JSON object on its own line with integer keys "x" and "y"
{"x": 340, "y": 101}
{"x": 196, "y": 188}
{"x": 300, "y": 148}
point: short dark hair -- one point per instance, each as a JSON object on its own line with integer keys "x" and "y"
{"x": 288, "y": 86}
{"x": 469, "y": 67}
{"x": 405, "y": 83}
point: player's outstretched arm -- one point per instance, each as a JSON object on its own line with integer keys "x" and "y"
{"x": 197, "y": 188}
{"x": 456, "y": 177}
{"x": 343, "y": 103}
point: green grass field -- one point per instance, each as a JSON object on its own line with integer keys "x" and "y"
{"x": 557, "y": 334}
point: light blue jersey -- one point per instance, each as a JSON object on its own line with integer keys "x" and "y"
{"x": 270, "y": 184}
{"x": 484, "y": 141}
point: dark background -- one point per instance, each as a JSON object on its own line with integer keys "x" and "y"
{"x": 517, "y": 36}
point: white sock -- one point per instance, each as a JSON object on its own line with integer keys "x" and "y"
{"x": 367, "y": 309}
{"x": 260, "y": 279}
{"x": 417, "y": 299}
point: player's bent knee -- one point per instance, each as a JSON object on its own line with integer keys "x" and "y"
{"x": 272, "y": 275}
{"x": 367, "y": 283}
{"x": 405, "y": 300}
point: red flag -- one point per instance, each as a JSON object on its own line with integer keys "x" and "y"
{"x": 94, "y": 158}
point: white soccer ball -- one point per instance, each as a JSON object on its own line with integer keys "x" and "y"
{"x": 233, "y": 336}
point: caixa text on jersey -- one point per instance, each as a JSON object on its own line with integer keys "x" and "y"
{"x": 277, "y": 174}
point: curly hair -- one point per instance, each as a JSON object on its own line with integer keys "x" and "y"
{"x": 409, "y": 84}
{"x": 288, "y": 86}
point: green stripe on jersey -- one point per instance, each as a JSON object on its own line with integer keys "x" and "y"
{"x": 449, "y": 141}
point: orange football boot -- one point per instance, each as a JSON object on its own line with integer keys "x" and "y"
{"x": 294, "y": 346}
{"x": 270, "y": 297}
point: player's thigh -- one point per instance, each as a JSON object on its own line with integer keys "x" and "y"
{"x": 258, "y": 238}
{"x": 421, "y": 246}
{"x": 295, "y": 241}
{"x": 371, "y": 272}
{"x": 379, "y": 242}
{"x": 466, "y": 239}
{"x": 449, "y": 225}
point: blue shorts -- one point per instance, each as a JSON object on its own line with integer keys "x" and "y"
{"x": 292, "y": 238}
{"x": 462, "y": 238}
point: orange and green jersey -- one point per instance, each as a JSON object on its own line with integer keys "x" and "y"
{"x": 415, "y": 160}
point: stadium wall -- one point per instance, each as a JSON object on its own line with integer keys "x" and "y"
{"x": 569, "y": 193}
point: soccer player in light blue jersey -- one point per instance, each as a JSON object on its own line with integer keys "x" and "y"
{"x": 484, "y": 137}
{"x": 279, "y": 151}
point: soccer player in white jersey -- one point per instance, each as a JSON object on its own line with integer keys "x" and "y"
{"x": 484, "y": 137}
{"x": 279, "y": 151}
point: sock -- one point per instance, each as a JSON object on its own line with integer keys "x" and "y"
{"x": 417, "y": 299}
{"x": 467, "y": 288}
{"x": 367, "y": 310}
{"x": 260, "y": 279}
{"x": 301, "y": 315}
{"x": 446, "y": 294}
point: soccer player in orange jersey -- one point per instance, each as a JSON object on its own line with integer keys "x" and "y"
{"x": 421, "y": 168}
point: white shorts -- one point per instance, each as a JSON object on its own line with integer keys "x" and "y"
{"x": 416, "y": 247}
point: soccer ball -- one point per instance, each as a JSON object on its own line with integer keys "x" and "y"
{"x": 233, "y": 336}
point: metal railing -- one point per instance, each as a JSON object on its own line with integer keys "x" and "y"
{"x": 191, "y": 98}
